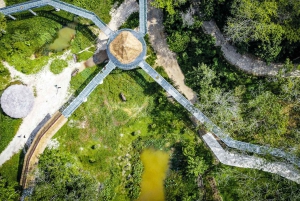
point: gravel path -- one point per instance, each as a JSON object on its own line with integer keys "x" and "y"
{"x": 165, "y": 57}
{"x": 47, "y": 101}
{"x": 246, "y": 62}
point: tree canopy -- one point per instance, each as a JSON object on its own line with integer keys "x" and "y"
{"x": 267, "y": 22}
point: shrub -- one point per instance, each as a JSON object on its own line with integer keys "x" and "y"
{"x": 58, "y": 65}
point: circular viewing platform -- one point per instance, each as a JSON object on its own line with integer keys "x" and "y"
{"x": 126, "y": 48}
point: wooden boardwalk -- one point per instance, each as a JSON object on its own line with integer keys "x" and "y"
{"x": 38, "y": 146}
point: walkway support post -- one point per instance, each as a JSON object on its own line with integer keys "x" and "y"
{"x": 12, "y": 17}
{"x": 34, "y": 13}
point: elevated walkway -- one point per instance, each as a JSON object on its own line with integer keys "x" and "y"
{"x": 246, "y": 161}
{"x": 38, "y": 146}
{"x": 212, "y": 127}
{"x": 143, "y": 16}
{"x": 98, "y": 79}
{"x": 27, "y": 6}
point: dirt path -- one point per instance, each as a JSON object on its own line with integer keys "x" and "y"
{"x": 246, "y": 62}
{"x": 165, "y": 57}
{"x": 2, "y": 4}
{"x": 47, "y": 101}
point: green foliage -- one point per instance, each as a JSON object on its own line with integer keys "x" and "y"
{"x": 60, "y": 178}
{"x": 2, "y": 24}
{"x": 8, "y": 127}
{"x": 58, "y": 65}
{"x": 238, "y": 184}
{"x": 131, "y": 22}
{"x": 24, "y": 43}
{"x": 151, "y": 55}
{"x": 7, "y": 192}
{"x": 168, "y": 5}
{"x": 82, "y": 41}
{"x": 264, "y": 25}
{"x": 227, "y": 96}
{"x": 178, "y": 41}
{"x": 4, "y": 76}
{"x": 266, "y": 112}
{"x": 100, "y": 8}
{"x": 9, "y": 178}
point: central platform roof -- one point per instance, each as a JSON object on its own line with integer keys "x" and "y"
{"x": 126, "y": 48}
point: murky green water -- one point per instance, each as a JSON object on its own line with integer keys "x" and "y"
{"x": 65, "y": 35}
{"x": 156, "y": 164}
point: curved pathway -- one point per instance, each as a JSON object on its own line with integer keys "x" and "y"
{"x": 245, "y": 161}
{"x": 197, "y": 113}
{"x": 246, "y": 62}
{"x": 167, "y": 59}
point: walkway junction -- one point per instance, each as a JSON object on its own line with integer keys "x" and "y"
{"x": 127, "y": 41}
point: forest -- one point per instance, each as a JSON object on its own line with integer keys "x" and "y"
{"x": 98, "y": 157}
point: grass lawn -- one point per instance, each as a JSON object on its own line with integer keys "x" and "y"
{"x": 8, "y": 128}
{"x": 105, "y": 134}
{"x": 11, "y": 169}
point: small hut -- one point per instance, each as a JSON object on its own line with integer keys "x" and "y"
{"x": 17, "y": 101}
{"x": 126, "y": 47}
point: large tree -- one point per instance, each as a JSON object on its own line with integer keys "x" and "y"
{"x": 265, "y": 22}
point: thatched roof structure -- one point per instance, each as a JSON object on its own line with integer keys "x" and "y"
{"x": 17, "y": 101}
{"x": 126, "y": 47}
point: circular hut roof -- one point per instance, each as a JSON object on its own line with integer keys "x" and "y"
{"x": 126, "y": 47}
{"x": 17, "y": 101}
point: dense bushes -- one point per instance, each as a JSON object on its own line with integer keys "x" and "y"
{"x": 61, "y": 178}
{"x": 249, "y": 184}
{"x": 25, "y": 41}
{"x": 233, "y": 100}
{"x": 268, "y": 29}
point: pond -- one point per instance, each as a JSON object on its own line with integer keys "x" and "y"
{"x": 156, "y": 164}
{"x": 65, "y": 35}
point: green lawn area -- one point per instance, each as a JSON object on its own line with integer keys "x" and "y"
{"x": 106, "y": 135}
{"x": 8, "y": 127}
{"x": 10, "y": 171}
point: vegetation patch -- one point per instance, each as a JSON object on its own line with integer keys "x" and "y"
{"x": 58, "y": 65}
{"x": 10, "y": 173}
{"x": 9, "y": 128}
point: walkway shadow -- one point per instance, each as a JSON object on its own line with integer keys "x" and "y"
{"x": 28, "y": 143}
{"x": 150, "y": 88}
{"x": 35, "y": 131}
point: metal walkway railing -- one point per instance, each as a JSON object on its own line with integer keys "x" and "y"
{"x": 215, "y": 129}
{"x": 57, "y": 4}
{"x": 98, "y": 79}
{"x": 143, "y": 16}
